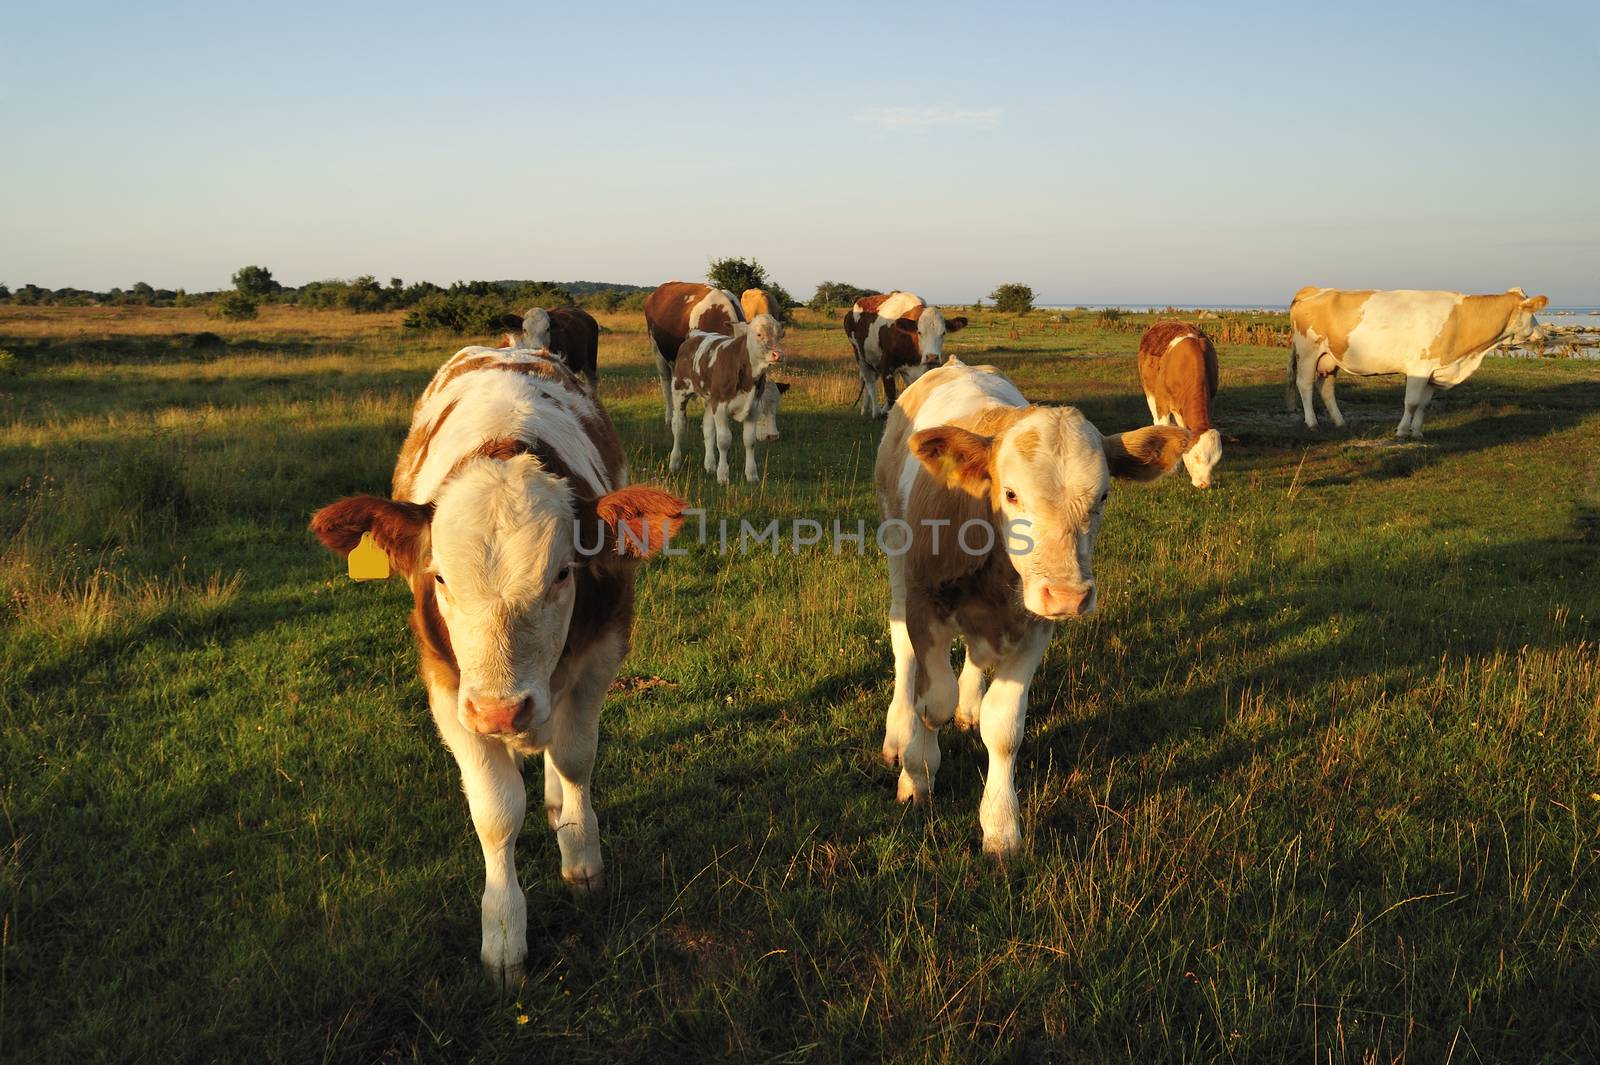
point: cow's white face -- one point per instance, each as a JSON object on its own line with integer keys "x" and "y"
{"x": 765, "y": 409}
{"x": 764, "y": 335}
{"x": 503, "y": 558}
{"x": 929, "y": 329}
{"x": 536, "y": 329}
{"x": 1203, "y": 457}
{"x": 1048, "y": 476}
{"x": 1050, "y": 473}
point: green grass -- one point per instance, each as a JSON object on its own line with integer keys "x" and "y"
{"x": 1318, "y": 782}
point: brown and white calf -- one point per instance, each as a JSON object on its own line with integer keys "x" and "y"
{"x": 1001, "y": 501}
{"x": 892, "y": 335}
{"x": 1437, "y": 339}
{"x": 569, "y": 333}
{"x": 1178, "y": 370}
{"x": 678, "y": 308}
{"x": 511, "y": 521}
{"x": 730, "y": 374}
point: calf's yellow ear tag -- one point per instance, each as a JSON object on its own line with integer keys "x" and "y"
{"x": 368, "y": 562}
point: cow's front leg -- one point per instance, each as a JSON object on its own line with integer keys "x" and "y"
{"x": 897, "y": 725}
{"x": 1305, "y": 374}
{"x": 724, "y": 442}
{"x": 1001, "y": 719}
{"x": 491, "y": 775}
{"x": 569, "y": 760}
{"x": 933, "y": 698}
{"x": 970, "y": 687}
{"x": 750, "y": 473}
{"x": 1419, "y": 391}
{"x": 708, "y": 432}
{"x": 888, "y": 394}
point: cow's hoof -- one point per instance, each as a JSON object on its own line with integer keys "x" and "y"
{"x": 507, "y": 976}
{"x": 909, "y": 791}
{"x": 583, "y": 881}
{"x": 723, "y": 478}
{"x": 1003, "y": 845}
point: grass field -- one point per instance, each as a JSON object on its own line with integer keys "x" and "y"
{"x": 1319, "y": 782}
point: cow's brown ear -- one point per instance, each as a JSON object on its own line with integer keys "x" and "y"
{"x": 956, "y": 457}
{"x": 906, "y": 325}
{"x": 1145, "y": 454}
{"x": 956, "y": 324}
{"x": 639, "y": 521}
{"x": 400, "y": 529}
{"x": 509, "y": 321}
{"x": 1537, "y": 303}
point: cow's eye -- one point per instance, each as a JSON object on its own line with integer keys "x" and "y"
{"x": 1011, "y": 497}
{"x": 439, "y": 577}
{"x": 1103, "y": 497}
{"x": 562, "y": 574}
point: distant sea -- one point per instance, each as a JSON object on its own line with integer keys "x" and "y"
{"x": 1588, "y": 316}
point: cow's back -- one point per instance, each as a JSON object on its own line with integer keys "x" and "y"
{"x": 677, "y": 307}
{"x": 1178, "y": 368}
{"x": 494, "y": 401}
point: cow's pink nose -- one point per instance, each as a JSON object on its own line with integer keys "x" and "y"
{"x": 1061, "y": 600}
{"x": 494, "y": 717}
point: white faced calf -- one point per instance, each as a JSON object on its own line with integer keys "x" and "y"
{"x": 1002, "y": 502}
{"x": 512, "y": 528}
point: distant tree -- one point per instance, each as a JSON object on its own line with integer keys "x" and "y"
{"x": 255, "y": 281}
{"x": 838, "y": 294}
{"x": 5, "y": 294}
{"x": 736, "y": 275}
{"x": 235, "y": 305}
{"x": 143, "y": 292}
{"x": 1012, "y": 298}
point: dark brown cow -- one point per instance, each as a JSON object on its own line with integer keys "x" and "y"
{"x": 569, "y": 333}
{"x": 676, "y": 309}
{"x": 892, "y": 335}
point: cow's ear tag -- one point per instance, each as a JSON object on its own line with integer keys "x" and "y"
{"x": 368, "y": 561}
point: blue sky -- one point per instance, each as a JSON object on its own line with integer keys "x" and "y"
{"x": 1105, "y": 153}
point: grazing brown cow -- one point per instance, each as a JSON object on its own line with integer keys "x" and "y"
{"x": 999, "y": 503}
{"x": 673, "y": 311}
{"x": 756, "y": 301}
{"x": 894, "y": 335}
{"x": 569, "y": 333}
{"x": 730, "y": 374}
{"x": 1437, "y": 339}
{"x": 1178, "y": 369}
{"x": 511, "y": 521}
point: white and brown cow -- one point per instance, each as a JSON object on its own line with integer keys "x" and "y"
{"x": 1437, "y": 339}
{"x": 511, "y": 521}
{"x": 569, "y": 333}
{"x": 730, "y": 374}
{"x": 1178, "y": 371}
{"x": 673, "y": 311}
{"x": 1002, "y": 501}
{"x": 894, "y": 335}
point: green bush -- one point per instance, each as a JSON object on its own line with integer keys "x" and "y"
{"x": 461, "y": 313}
{"x": 255, "y": 281}
{"x": 234, "y": 305}
{"x": 736, "y": 275}
{"x": 831, "y": 294}
{"x": 1013, "y": 298}
{"x": 10, "y": 365}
